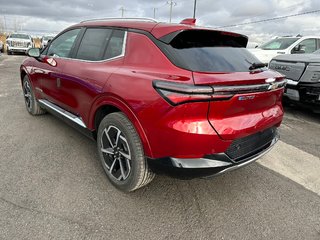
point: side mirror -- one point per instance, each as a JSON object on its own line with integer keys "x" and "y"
{"x": 33, "y": 52}
{"x": 256, "y": 46}
{"x": 299, "y": 49}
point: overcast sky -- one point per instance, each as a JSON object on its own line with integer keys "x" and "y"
{"x": 45, "y": 16}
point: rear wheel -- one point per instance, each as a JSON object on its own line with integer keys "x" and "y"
{"x": 31, "y": 103}
{"x": 121, "y": 153}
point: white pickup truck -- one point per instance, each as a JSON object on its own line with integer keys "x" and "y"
{"x": 18, "y": 42}
{"x": 286, "y": 45}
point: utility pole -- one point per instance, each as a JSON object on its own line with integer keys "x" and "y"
{"x": 194, "y": 8}
{"x": 171, "y": 3}
{"x": 122, "y": 9}
{"x": 154, "y": 13}
{"x": 5, "y": 23}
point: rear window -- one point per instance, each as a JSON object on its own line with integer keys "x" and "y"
{"x": 210, "y": 51}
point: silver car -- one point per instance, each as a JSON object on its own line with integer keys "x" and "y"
{"x": 303, "y": 77}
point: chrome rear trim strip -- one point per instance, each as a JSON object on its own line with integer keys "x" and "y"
{"x": 217, "y": 90}
{"x": 249, "y": 88}
{"x": 63, "y": 112}
{"x": 198, "y": 163}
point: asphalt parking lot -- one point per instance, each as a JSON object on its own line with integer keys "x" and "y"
{"x": 53, "y": 187}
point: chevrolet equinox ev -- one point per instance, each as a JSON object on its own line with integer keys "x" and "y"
{"x": 157, "y": 97}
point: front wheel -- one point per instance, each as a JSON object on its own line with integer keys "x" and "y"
{"x": 121, "y": 153}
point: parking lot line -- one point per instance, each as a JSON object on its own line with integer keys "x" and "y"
{"x": 295, "y": 164}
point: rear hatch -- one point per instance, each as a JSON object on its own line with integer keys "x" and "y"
{"x": 246, "y": 106}
{"x": 244, "y": 101}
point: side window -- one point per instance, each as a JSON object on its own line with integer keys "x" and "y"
{"x": 310, "y": 45}
{"x": 62, "y": 45}
{"x": 93, "y": 44}
{"x": 115, "y": 45}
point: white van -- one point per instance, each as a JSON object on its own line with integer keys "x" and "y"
{"x": 286, "y": 45}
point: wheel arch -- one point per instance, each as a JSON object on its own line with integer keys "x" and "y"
{"x": 23, "y": 73}
{"x": 107, "y": 105}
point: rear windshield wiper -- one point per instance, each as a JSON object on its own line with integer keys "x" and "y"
{"x": 257, "y": 65}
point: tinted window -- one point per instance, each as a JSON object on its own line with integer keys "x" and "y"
{"x": 101, "y": 44}
{"x": 278, "y": 44}
{"x": 309, "y": 45}
{"x": 93, "y": 44}
{"x": 209, "y": 52}
{"x": 62, "y": 45}
{"x": 115, "y": 45}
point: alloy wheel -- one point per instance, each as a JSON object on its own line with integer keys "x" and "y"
{"x": 116, "y": 153}
{"x": 27, "y": 95}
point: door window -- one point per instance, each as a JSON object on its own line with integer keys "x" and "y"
{"x": 93, "y": 44}
{"x": 309, "y": 45}
{"x": 101, "y": 44}
{"x": 62, "y": 45}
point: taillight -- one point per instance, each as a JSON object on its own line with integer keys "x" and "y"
{"x": 178, "y": 93}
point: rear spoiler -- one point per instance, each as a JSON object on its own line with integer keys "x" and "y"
{"x": 227, "y": 38}
{"x": 189, "y": 21}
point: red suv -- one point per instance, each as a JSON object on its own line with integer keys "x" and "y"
{"x": 157, "y": 96}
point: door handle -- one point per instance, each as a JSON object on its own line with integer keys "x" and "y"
{"x": 58, "y": 82}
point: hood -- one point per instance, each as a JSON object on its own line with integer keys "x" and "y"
{"x": 305, "y": 58}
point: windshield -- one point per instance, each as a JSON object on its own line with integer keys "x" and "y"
{"x": 46, "y": 38}
{"x": 209, "y": 51}
{"x": 22, "y": 36}
{"x": 278, "y": 44}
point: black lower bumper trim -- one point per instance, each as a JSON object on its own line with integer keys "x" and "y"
{"x": 202, "y": 167}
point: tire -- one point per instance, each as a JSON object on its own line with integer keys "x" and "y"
{"x": 32, "y": 105}
{"x": 121, "y": 153}
{"x": 9, "y": 52}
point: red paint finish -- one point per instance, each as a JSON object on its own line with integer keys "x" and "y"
{"x": 189, "y": 130}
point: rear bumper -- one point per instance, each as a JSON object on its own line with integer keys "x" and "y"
{"x": 208, "y": 166}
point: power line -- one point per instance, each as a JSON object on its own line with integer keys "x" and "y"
{"x": 270, "y": 19}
